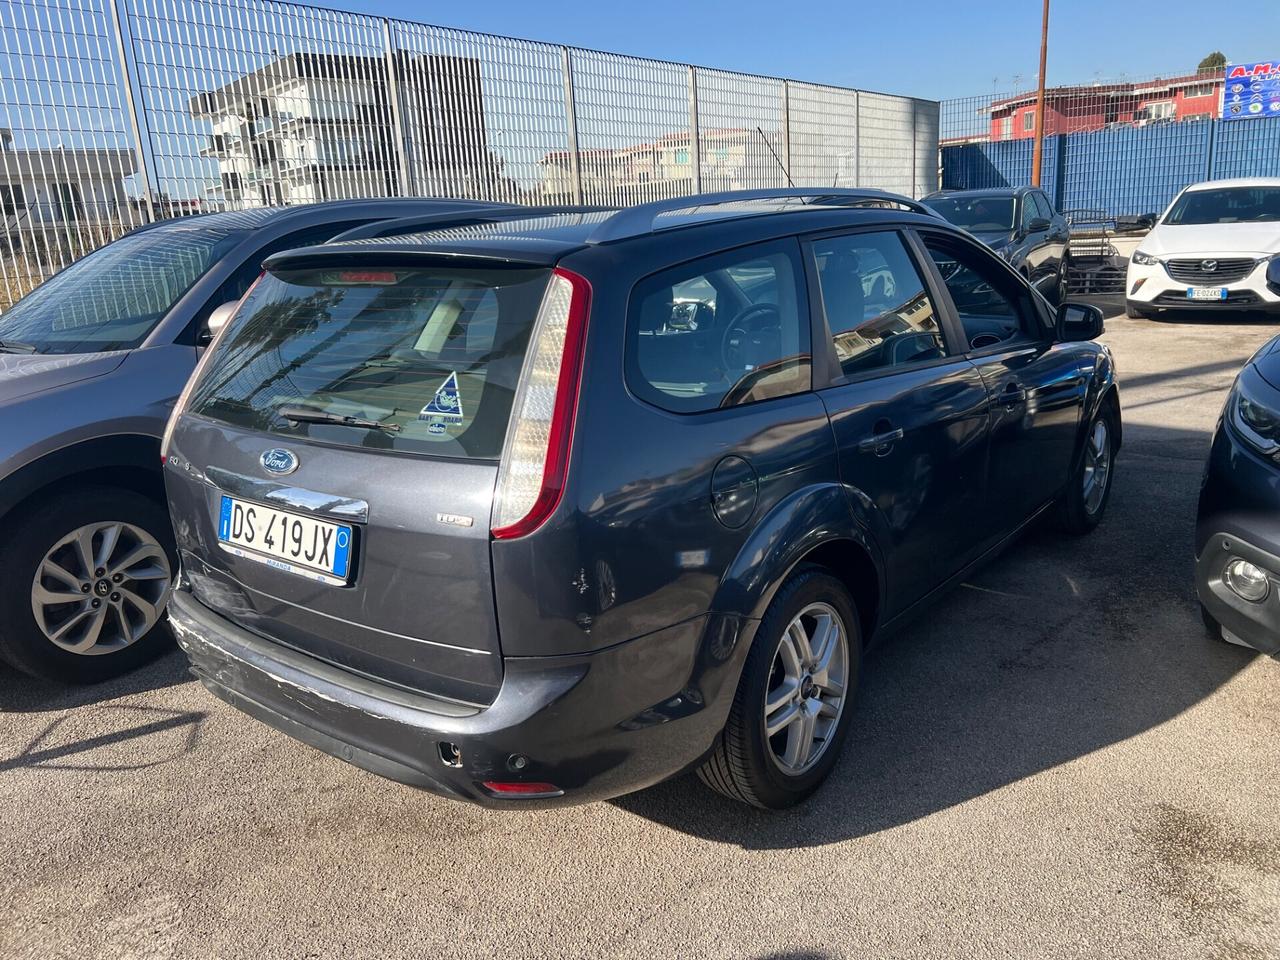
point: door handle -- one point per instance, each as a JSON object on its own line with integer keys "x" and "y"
{"x": 877, "y": 441}
{"x": 1012, "y": 394}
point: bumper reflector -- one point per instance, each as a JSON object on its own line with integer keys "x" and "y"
{"x": 521, "y": 790}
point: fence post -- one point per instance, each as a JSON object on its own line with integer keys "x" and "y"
{"x": 695, "y": 140}
{"x": 403, "y": 179}
{"x": 131, "y": 104}
{"x": 571, "y": 121}
{"x": 1210, "y": 147}
{"x": 786, "y": 131}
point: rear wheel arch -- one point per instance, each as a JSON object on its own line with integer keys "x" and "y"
{"x": 851, "y": 563}
{"x": 129, "y": 461}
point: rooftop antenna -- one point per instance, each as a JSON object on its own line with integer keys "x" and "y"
{"x": 776, "y": 159}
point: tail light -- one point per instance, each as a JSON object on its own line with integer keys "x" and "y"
{"x": 185, "y": 396}
{"x": 535, "y": 456}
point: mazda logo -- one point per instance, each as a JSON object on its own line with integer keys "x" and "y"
{"x": 1208, "y": 266}
{"x": 278, "y": 461}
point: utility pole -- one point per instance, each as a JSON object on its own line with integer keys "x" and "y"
{"x": 1037, "y": 154}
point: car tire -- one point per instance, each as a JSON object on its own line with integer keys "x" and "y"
{"x": 748, "y": 765}
{"x": 1135, "y": 313}
{"x": 114, "y": 612}
{"x": 1063, "y": 290}
{"x": 1082, "y": 505}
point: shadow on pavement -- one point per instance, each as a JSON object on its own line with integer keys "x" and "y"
{"x": 22, "y": 694}
{"x": 1059, "y": 648}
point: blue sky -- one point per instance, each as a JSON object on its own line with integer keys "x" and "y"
{"x": 926, "y": 48}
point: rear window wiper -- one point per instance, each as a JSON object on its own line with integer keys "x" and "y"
{"x": 17, "y": 346}
{"x": 310, "y": 415}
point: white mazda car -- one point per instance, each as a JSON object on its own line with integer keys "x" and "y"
{"x": 1216, "y": 248}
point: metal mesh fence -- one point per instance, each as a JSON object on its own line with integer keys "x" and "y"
{"x": 117, "y": 112}
{"x": 1113, "y": 148}
{"x": 68, "y": 169}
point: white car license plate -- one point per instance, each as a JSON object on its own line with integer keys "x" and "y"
{"x": 292, "y": 542}
{"x": 1206, "y": 293}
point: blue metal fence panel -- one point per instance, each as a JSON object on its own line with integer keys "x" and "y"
{"x": 1123, "y": 169}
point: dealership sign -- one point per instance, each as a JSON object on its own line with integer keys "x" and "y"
{"x": 1252, "y": 90}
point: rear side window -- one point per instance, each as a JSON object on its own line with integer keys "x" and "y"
{"x": 878, "y": 311}
{"x": 719, "y": 332}
{"x": 417, "y": 360}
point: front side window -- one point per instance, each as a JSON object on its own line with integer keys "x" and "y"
{"x": 993, "y": 309}
{"x": 114, "y": 297}
{"x": 877, "y": 308}
{"x": 423, "y": 360}
{"x": 719, "y": 332}
{"x": 1029, "y": 212}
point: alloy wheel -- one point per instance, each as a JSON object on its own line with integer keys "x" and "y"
{"x": 1097, "y": 466}
{"x": 806, "y": 688}
{"x": 100, "y": 588}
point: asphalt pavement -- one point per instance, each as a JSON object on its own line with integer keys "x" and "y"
{"x": 1055, "y": 761}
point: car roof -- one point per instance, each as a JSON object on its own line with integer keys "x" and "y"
{"x": 982, "y": 192}
{"x": 545, "y": 239}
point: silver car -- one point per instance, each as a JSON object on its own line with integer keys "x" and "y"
{"x": 90, "y": 365}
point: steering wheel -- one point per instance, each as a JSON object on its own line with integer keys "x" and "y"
{"x": 749, "y": 330}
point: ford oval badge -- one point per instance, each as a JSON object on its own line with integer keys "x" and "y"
{"x": 279, "y": 461}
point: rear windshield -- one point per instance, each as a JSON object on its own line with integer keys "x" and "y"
{"x": 1226, "y": 205}
{"x": 114, "y": 297}
{"x": 977, "y": 214}
{"x": 422, "y": 360}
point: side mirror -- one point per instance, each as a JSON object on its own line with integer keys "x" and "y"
{"x": 1038, "y": 225}
{"x": 1079, "y": 321}
{"x": 217, "y": 320}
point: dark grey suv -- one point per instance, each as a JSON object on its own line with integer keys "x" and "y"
{"x": 550, "y": 510}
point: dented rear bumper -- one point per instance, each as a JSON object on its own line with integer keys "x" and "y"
{"x": 596, "y": 725}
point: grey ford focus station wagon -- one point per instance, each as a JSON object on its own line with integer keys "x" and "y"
{"x": 548, "y": 510}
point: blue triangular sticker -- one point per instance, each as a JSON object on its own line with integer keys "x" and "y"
{"x": 446, "y": 405}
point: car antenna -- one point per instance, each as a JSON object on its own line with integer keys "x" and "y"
{"x": 776, "y": 158}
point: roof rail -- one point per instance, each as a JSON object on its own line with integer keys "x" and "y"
{"x": 638, "y": 220}
{"x": 463, "y": 216}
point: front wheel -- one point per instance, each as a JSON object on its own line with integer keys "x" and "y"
{"x": 84, "y": 583}
{"x": 794, "y": 703}
{"x": 1083, "y": 503}
{"x": 1134, "y": 313}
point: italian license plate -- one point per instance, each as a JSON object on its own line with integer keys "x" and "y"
{"x": 1206, "y": 293}
{"x": 292, "y": 542}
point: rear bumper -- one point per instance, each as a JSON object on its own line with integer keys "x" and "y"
{"x": 595, "y": 726}
{"x": 1239, "y": 517}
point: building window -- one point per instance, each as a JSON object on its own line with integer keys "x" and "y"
{"x": 1200, "y": 90}
{"x": 1163, "y": 110}
{"x": 1029, "y": 121}
{"x": 231, "y": 180}
{"x": 12, "y": 198}
{"x": 682, "y": 156}
{"x": 1006, "y": 128}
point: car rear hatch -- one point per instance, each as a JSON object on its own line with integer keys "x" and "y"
{"x": 332, "y": 476}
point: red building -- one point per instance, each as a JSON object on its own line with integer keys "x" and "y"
{"x": 1083, "y": 109}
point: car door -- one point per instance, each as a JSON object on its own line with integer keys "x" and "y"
{"x": 909, "y": 412}
{"x": 1040, "y": 267}
{"x": 1037, "y": 387}
{"x": 1055, "y": 238}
